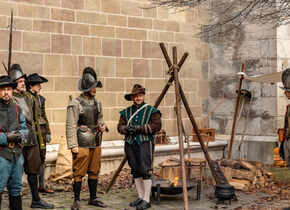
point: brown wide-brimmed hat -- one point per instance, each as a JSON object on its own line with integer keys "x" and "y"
{"x": 136, "y": 89}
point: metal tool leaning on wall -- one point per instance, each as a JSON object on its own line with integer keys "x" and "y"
{"x": 84, "y": 128}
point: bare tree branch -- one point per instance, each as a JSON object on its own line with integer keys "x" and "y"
{"x": 228, "y": 15}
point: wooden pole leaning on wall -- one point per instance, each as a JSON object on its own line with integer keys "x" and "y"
{"x": 157, "y": 103}
{"x": 236, "y": 112}
{"x": 179, "y": 123}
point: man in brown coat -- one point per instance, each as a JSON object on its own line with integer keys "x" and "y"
{"x": 84, "y": 128}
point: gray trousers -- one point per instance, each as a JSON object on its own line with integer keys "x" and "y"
{"x": 287, "y": 151}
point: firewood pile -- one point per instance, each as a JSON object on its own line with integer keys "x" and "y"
{"x": 245, "y": 175}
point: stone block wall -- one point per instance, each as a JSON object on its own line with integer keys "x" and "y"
{"x": 264, "y": 50}
{"x": 58, "y": 38}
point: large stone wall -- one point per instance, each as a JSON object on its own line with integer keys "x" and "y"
{"x": 264, "y": 50}
{"x": 58, "y": 38}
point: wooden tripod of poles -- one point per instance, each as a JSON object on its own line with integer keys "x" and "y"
{"x": 174, "y": 69}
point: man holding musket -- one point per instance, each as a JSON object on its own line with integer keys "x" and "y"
{"x": 139, "y": 123}
{"x": 31, "y": 149}
{"x": 13, "y": 132}
{"x": 84, "y": 128}
{"x": 286, "y": 141}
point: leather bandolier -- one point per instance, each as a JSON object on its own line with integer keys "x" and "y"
{"x": 9, "y": 121}
{"x": 25, "y": 103}
{"x": 88, "y": 134}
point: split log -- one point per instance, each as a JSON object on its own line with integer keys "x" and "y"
{"x": 258, "y": 173}
{"x": 238, "y": 186}
{"x": 264, "y": 171}
{"x": 227, "y": 171}
{"x": 242, "y": 174}
{"x": 242, "y": 181}
{"x": 262, "y": 181}
{"x": 231, "y": 163}
{"x": 247, "y": 165}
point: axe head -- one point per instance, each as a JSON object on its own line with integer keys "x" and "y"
{"x": 245, "y": 93}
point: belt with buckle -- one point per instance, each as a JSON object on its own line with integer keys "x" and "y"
{"x": 11, "y": 144}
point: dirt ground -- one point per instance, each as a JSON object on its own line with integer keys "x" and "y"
{"x": 275, "y": 197}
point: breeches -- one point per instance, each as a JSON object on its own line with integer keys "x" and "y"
{"x": 11, "y": 175}
{"x": 87, "y": 161}
{"x": 32, "y": 160}
{"x": 140, "y": 158}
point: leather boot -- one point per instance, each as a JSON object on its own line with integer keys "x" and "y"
{"x": 36, "y": 201}
{"x": 15, "y": 202}
{"x": 77, "y": 186}
{"x": 143, "y": 205}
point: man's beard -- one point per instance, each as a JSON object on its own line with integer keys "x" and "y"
{"x": 6, "y": 98}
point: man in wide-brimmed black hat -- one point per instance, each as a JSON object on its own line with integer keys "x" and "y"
{"x": 34, "y": 86}
{"x": 13, "y": 132}
{"x": 286, "y": 141}
{"x": 31, "y": 149}
{"x": 84, "y": 128}
{"x": 139, "y": 123}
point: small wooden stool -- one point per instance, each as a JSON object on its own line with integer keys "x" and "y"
{"x": 199, "y": 162}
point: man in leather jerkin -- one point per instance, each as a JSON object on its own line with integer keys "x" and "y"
{"x": 139, "y": 123}
{"x": 32, "y": 146}
{"x": 34, "y": 87}
{"x": 84, "y": 128}
{"x": 13, "y": 132}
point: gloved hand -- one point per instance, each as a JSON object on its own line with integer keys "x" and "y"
{"x": 135, "y": 129}
{"x": 48, "y": 138}
{"x": 13, "y": 136}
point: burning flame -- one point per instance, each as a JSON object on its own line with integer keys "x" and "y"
{"x": 175, "y": 182}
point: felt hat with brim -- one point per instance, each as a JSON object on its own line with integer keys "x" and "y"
{"x": 16, "y": 72}
{"x": 136, "y": 90}
{"x": 286, "y": 80}
{"x": 6, "y": 81}
{"x": 36, "y": 79}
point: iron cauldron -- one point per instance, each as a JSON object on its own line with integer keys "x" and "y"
{"x": 168, "y": 187}
{"x": 224, "y": 192}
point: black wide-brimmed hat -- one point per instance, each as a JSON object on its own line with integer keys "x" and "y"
{"x": 36, "y": 79}
{"x": 16, "y": 72}
{"x": 6, "y": 81}
{"x": 286, "y": 80}
{"x": 136, "y": 89}
{"x": 89, "y": 80}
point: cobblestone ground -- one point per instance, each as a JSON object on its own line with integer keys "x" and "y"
{"x": 120, "y": 200}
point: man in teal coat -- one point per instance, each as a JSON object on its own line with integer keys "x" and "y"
{"x": 139, "y": 123}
